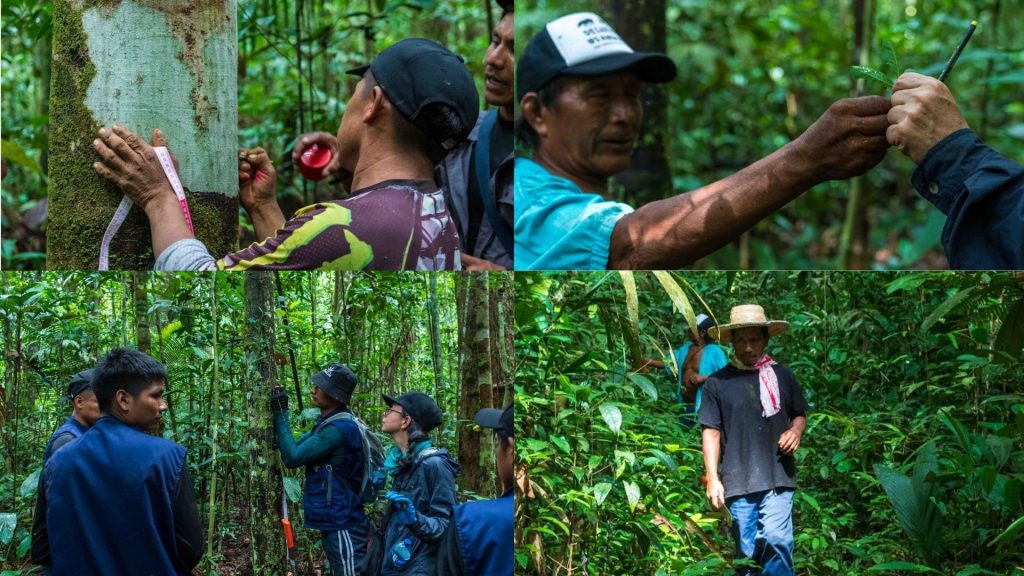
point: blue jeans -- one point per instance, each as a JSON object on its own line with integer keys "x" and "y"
{"x": 763, "y": 530}
{"x": 345, "y": 550}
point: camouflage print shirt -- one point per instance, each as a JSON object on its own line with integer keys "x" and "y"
{"x": 395, "y": 225}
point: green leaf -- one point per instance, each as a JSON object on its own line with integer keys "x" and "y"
{"x": 612, "y": 416}
{"x": 632, "y": 494}
{"x": 920, "y": 518}
{"x": 645, "y": 384}
{"x": 17, "y": 155}
{"x": 601, "y": 491}
{"x": 942, "y": 309}
{"x": 562, "y": 443}
{"x": 25, "y": 546}
{"x": 679, "y": 300}
{"x": 8, "y": 521}
{"x": 870, "y": 74}
{"x": 292, "y": 489}
{"x": 902, "y": 566}
{"x": 892, "y": 63}
{"x": 31, "y": 484}
{"x": 170, "y": 329}
{"x": 908, "y": 281}
{"x": 1010, "y": 338}
{"x": 1008, "y": 535}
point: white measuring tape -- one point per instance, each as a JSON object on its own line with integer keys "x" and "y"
{"x": 126, "y": 204}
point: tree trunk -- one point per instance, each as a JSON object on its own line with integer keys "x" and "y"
{"x": 144, "y": 64}
{"x": 141, "y": 306}
{"x": 476, "y": 383}
{"x": 641, "y": 23}
{"x": 435, "y": 335}
{"x": 265, "y": 487}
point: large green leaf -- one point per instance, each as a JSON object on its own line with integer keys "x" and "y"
{"x": 679, "y": 300}
{"x": 1010, "y": 339}
{"x": 31, "y": 484}
{"x": 16, "y": 154}
{"x": 8, "y": 521}
{"x": 632, "y": 494}
{"x": 645, "y": 384}
{"x": 917, "y": 513}
{"x": 1009, "y": 535}
{"x": 601, "y": 491}
{"x": 612, "y": 416}
{"x": 942, "y": 309}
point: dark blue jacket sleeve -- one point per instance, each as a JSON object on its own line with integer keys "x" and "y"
{"x": 981, "y": 192}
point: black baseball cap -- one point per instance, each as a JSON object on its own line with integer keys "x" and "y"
{"x": 416, "y": 72}
{"x": 337, "y": 381}
{"x": 79, "y": 383}
{"x": 505, "y": 4}
{"x": 422, "y": 408}
{"x": 583, "y": 44}
{"x": 501, "y": 420}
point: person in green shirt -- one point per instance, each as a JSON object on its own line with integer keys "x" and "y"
{"x": 332, "y": 452}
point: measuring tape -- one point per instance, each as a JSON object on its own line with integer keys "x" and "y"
{"x": 126, "y": 204}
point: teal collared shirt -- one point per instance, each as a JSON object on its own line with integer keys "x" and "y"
{"x": 558, "y": 226}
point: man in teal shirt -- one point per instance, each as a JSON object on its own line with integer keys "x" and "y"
{"x": 578, "y": 86}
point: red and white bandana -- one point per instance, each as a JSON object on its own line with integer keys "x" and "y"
{"x": 769, "y": 386}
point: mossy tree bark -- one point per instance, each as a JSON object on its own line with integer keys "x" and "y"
{"x": 144, "y": 64}
{"x": 265, "y": 486}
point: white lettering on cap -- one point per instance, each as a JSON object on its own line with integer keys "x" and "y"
{"x": 585, "y": 36}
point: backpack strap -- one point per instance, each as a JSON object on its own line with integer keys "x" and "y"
{"x": 483, "y": 177}
{"x": 351, "y": 418}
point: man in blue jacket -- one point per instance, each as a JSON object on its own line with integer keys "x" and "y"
{"x": 118, "y": 501}
{"x": 479, "y": 540}
{"x": 980, "y": 191}
{"x": 332, "y": 452}
{"x": 85, "y": 413}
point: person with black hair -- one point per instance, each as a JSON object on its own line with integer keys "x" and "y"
{"x": 578, "y": 85}
{"x": 332, "y": 452}
{"x": 85, "y": 413}
{"x": 415, "y": 102}
{"x": 752, "y": 419}
{"x": 118, "y": 501}
{"x": 478, "y": 176}
{"x": 422, "y": 486}
{"x": 693, "y": 362}
{"x": 479, "y": 540}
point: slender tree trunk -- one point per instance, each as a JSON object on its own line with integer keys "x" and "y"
{"x": 476, "y": 383}
{"x": 288, "y": 340}
{"x": 141, "y": 306}
{"x": 268, "y": 546}
{"x": 435, "y": 335}
{"x": 143, "y": 64}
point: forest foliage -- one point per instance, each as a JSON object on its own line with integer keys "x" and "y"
{"x": 398, "y": 332}
{"x": 913, "y": 459}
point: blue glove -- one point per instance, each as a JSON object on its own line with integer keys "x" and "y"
{"x": 403, "y": 508}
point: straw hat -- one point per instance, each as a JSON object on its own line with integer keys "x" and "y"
{"x": 746, "y": 316}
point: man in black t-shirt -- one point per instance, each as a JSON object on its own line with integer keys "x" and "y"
{"x": 752, "y": 416}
